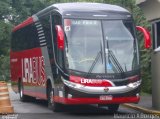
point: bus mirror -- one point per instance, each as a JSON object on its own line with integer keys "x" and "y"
{"x": 60, "y": 37}
{"x": 147, "y": 37}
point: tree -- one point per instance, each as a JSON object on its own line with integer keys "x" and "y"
{"x": 25, "y": 8}
{"x": 5, "y": 33}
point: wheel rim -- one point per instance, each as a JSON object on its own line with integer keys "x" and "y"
{"x": 51, "y": 97}
{"x": 21, "y": 92}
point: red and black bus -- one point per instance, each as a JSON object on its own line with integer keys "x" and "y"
{"x": 77, "y": 53}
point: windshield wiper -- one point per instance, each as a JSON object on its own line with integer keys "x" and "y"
{"x": 115, "y": 61}
{"x": 95, "y": 61}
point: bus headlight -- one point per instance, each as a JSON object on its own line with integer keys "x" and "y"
{"x": 71, "y": 84}
{"x": 135, "y": 84}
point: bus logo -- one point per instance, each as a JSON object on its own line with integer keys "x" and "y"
{"x": 33, "y": 70}
{"x": 106, "y": 89}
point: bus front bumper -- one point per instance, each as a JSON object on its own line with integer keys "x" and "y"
{"x": 76, "y": 101}
{"x": 103, "y": 90}
{"x": 80, "y": 94}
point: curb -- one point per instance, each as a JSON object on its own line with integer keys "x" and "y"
{"x": 5, "y": 103}
{"x": 142, "y": 109}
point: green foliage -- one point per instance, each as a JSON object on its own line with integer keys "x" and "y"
{"x": 5, "y": 33}
{"x": 5, "y": 30}
{"x": 25, "y": 8}
{"x": 4, "y": 9}
{"x": 4, "y": 71}
{"x": 12, "y": 12}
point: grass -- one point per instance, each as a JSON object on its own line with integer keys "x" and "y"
{"x": 144, "y": 94}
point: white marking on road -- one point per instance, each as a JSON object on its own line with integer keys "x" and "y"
{"x": 3, "y": 88}
{"x": 3, "y": 93}
{"x": 4, "y": 98}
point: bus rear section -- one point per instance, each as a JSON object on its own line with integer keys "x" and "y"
{"x": 85, "y": 55}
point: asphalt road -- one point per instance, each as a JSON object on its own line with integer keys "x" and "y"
{"x": 37, "y": 109}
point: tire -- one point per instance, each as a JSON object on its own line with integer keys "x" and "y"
{"x": 55, "y": 107}
{"x": 23, "y": 98}
{"x": 113, "y": 107}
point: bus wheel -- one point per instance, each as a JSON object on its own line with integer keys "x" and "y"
{"x": 56, "y": 107}
{"x": 23, "y": 97}
{"x": 113, "y": 107}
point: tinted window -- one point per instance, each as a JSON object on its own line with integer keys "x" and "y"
{"x": 46, "y": 31}
{"x": 25, "y": 38}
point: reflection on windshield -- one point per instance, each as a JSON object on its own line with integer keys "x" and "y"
{"x": 84, "y": 38}
{"x": 84, "y": 41}
{"x": 119, "y": 39}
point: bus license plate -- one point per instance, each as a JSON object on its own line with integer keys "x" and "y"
{"x": 105, "y": 97}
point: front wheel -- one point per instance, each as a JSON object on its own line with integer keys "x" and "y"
{"x": 56, "y": 107}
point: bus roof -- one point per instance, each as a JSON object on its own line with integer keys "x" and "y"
{"x": 88, "y": 7}
{"x": 23, "y": 24}
{"x": 65, "y": 8}
{"x": 83, "y": 7}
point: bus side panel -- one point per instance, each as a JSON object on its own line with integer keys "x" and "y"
{"x": 15, "y": 70}
{"x": 41, "y": 91}
{"x": 29, "y": 66}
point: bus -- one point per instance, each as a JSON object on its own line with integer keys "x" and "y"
{"x": 78, "y": 53}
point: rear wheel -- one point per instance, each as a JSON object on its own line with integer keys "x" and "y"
{"x": 23, "y": 97}
{"x": 56, "y": 107}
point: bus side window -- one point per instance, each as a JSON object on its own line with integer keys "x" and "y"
{"x": 25, "y": 38}
{"x": 13, "y": 41}
{"x": 56, "y": 20}
{"x": 18, "y": 40}
{"x": 32, "y": 36}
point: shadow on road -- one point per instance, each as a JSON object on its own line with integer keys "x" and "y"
{"x": 38, "y": 109}
{"x": 79, "y": 110}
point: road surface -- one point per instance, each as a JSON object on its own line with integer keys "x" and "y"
{"x": 37, "y": 109}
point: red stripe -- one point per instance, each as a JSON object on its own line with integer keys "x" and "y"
{"x": 118, "y": 100}
{"x": 23, "y": 24}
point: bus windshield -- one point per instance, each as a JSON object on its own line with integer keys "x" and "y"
{"x": 100, "y": 46}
